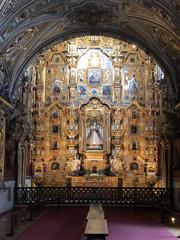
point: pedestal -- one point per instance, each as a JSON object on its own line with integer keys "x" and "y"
{"x": 94, "y": 161}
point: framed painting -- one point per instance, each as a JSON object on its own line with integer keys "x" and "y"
{"x": 94, "y": 76}
{"x": 82, "y": 90}
{"x": 106, "y": 90}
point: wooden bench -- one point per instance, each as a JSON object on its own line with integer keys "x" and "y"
{"x": 95, "y": 211}
{"x": 96, "y": 229}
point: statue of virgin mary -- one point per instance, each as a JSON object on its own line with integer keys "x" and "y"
{"x": 94, "y": 136}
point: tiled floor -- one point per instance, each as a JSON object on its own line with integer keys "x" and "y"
{"x": 21, "y": 222}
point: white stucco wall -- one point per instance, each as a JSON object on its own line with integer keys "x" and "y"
{"x": 7, "y": 195}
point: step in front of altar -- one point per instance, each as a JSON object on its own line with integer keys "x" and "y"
{"x": 94, "y": 181}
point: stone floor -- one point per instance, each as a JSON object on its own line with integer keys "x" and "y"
{"x": 171, "y": 221}
{"x": 22, "y": 215}
{"x": 21, "y": 222}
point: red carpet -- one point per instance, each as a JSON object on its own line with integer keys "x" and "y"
{"x": 69, "y": 224}
{"x": 127, "y": 225}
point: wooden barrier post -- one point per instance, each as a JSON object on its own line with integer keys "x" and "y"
{"x": 162, "y": 214}
{"x": 11, "y": 233}
{"x": 135, "y": 207}
{"x": 30, "y": 213}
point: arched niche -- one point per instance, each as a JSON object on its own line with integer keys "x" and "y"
{"x": 94, "y": 127}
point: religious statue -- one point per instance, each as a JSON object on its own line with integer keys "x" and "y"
{"x": 115, "y": 166}
{"x": 75, "y": 167}
{"x": 95, "y": 136}
{"x": 133, "y": 86}
{"x": 56, "y": 87}
{"x": 55, "y": 166}
{"x": 72, "y": 93}
{"x": 117, "y": 93}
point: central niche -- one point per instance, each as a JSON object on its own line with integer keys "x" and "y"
{"x": 94, "y": 130}
{"x": 94, "y": 126}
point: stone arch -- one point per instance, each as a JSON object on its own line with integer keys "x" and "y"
{"x": 161, "y": 59}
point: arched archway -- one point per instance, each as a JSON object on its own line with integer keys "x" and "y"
{"x": 28, "y": 31}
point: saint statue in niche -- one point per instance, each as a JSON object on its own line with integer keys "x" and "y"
{"x": 94, "y": 135}
{"x": 133, "y": 87}
{"x": 75, "y": 167}
{"x": 55, "y": 166}
{"x": 56, "y": 87}
{"x": 115, "y": 165}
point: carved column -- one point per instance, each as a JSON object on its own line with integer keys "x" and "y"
{"x": 72, "y": 78}
{"x": 20, "y": 164}
{"x": 4, "y": 105}
{"x": 117, "y": 83}
{"x": 72, "y": 132}
{"x": 82, "y": 132}
{"x": 2, "y": 144}
{"x": 23, "y": 153}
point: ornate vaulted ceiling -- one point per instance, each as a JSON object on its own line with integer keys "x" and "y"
{"x": 29, "y": 26}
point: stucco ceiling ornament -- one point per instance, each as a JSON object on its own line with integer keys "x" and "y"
{"x": 165, "y": 39}
{"x": 3, "y": 80}
{"x": 54, "y": 17}
{"x": 9, "y": 6}
{"x": 94, "y": 16}
{"x": 149, "y": 14}
{"x": 175, "y": 4}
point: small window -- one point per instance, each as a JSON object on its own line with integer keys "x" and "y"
{"x": 55, "y": 129}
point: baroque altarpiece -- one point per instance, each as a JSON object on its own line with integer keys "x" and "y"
{"x": 94, "y": 112}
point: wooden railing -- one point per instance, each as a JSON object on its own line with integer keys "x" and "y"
{"x": 87, "y": 195}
